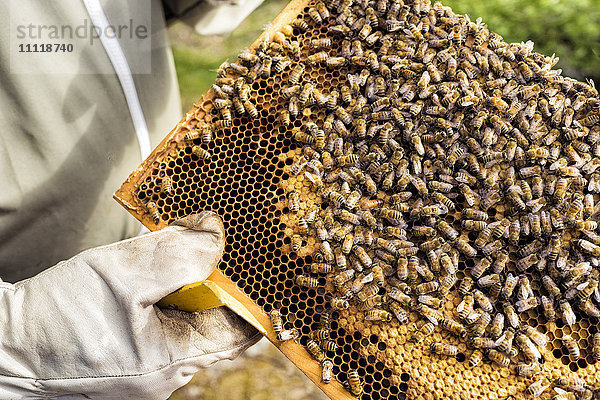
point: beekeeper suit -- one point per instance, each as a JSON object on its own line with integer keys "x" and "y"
{"x": 87, "y": 327}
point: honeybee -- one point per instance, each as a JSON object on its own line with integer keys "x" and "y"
{"x": 504, "y": 343}
{"x": 201, "y": 153}
{"x": 453, "y": 326}
{"x": 548, "y": 307}
{"x": 305, "y": 93}
{"x": 571, "y": 346}
{"x": 315, "y": 351}
{"x": 568, "y": 315}
{"x": 239, "y": 106}
{"x": 314, "y": 15}
{"x": 302, "y": 226}
{"x": 527, "y": 370}
{"x": 465, "y": 286}
{"x": 588, "y": 225}
{"x": 288, "y": 334}
{"x": 320, "y": 334}
{"x": 530, "y": 248}
{"x": 527, "y": 304}
{"x": 511, "y": 316}
{"x": 349, "y": 217}
{"x": 359, "y": 284}
{"x": 426, "y": 287}
{"x": 440, "y": 198}
{"x": 296, "y": 242}
{"x": 221, "y": 104}
{"x": 307, "y": 281}
{"x": 316, "y": 58}
{"x": 266, "y": 67}
{"x": 465, "y": 307}
{"x": 294, "y": 201}
{"x": 167, "y": 184}
{"x": 446, "y": 284}
{"x": 440, "y": 186}
{"x": 153, "y": 211}
{"x": 423, "y": 231}
{"x": 339, "y": 304}
{"x": 444, "y": 349}
{"x": 497, "y": 326}
{"x": 362, "y": 255}
{"x": 421, "y": 187}
{"x": 500, "y": 262}
{"x": 402, "y": 268}
{"x": 464, "y": 247}
{"x": 539, "y": 338}
{"x": 509, "y": 286}
{"x": 550, "y": 286}
{"x": 473, "y": 225}
{"x": 454, "y": 156}
{"x": 483, "y": 301}
{"x": 400, "y": 313}
{"x": 378, "y": 315}
{"x": 221, "y": 124}
{"x": 434, "y": 261}
{"x": 468, "y": 194}
{"x": 475, "y": 358}
{"x": 276, "y": 321}
{"x": 546, "y": 222}
{"x": 483, "y": 238}
{"x": 299, "y": 24}
{"x": 284, "y": 117}
{"x": 425, "y": 331}
{"x": 596, "y": 346}
{"x": 498, "y": 358}
{"x": 287, "y": 92}
{"x": 321, "y": 268}
{"x": 354, "y": 383}
{"x": 537, "y": 388}
{"x": 447, "y": 230}
{"x": 296, "y": 74}
{"x": 493, "y": 281}
{"x": 479, "y": 269}
{"x": 588, "y": 246}
{"x": 525, "y": 263}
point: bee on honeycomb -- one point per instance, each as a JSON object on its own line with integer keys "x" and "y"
{"x": 451, "y": 179}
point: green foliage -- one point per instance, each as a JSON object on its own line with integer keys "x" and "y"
{"x": 197, "y": 57}
{"x": 568, "y": 28}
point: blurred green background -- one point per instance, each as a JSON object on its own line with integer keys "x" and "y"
{"x": 569, "y": 28}
{"x": 197, "y": 57}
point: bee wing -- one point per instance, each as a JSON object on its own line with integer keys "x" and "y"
{"x": 432, "y": 319}
{"x": 368, "y": 278}
{"x": 500, "y": 340}
{"x": 560, "y": 391}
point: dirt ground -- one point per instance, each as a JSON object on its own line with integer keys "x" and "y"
{"x": 261, "y": 373}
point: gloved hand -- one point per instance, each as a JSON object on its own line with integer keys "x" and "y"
{"x": 88, "y": 327}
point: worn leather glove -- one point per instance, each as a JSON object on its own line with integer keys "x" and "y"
{"x": 88, "y": 327}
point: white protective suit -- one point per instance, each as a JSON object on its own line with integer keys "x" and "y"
{"x": 88, "y": 327}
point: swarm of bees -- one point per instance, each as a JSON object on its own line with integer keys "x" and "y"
{"x": 438, "y": 118}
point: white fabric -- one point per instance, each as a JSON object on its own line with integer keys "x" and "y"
{"x": 119, "y": 62}
{"x": 88, "y": 327}
{"x": 219, "y": 18}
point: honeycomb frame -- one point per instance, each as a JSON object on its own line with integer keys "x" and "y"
{"x": 389, "y": 366}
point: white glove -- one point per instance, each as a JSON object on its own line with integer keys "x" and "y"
{"x": 88, "y": 327}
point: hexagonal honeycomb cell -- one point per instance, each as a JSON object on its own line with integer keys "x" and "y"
{"x": 443, "y": 70}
